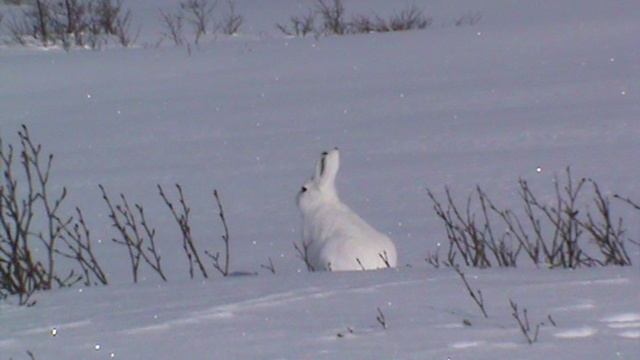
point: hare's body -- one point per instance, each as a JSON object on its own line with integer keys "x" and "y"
{"x": 337, "y": 239}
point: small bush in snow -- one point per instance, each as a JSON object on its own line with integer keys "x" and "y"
{"x": 200, "y": 14}
{"x": 232, "y": 21}
{"x": 68, "y": 23}
{"x": 300, "y": 26}
{"x": 29, "y": 252}
{"x": 411, "y": 18}
{"x": 135, "y": 234}
{"x": 334, "y": 22}
{"x": 468, "y": 19}
{"x": 558, "y": 234}
{"x": 181, "y": 216}
{"x": 333, "y": 17}
{"x": 173, "y": 27}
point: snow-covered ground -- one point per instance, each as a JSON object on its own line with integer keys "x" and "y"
{"x": 544, "y": 84}
{"x": 299, "y": 316}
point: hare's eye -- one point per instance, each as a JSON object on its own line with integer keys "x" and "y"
{"x": 304, "y": 189}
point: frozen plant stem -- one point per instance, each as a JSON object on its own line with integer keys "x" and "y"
{"x": 125, "y": 220}
{"x": 303, "y": 254}
{"x": 26, "y": 201}
{"x": 475, "y": 295}
{"x": 381, "y": 319}
{"x": 181, "y": 217}
{"x": 222, "y": 268}
{"x": 269, "y": 267}
{"x": 77, "y": 239}
{"x": 628, "y": 201}
{"x": 523, "y": 323}
{"x": 385, "y": 259}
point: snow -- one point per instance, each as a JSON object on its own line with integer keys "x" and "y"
{"x": 531, "y": 89}
{"x": 299, "y": 316}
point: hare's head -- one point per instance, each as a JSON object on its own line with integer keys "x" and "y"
{"x": 321, "y": 188}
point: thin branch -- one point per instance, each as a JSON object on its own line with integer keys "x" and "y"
{"x": 628, "y": 201}
{"x": 269, "y": 267}
{"x": 385, "y": 258}
{"x": 222, "y": 268}
{"x": 77, "y": 238}
{"x": 303, "y": 254}
{"x": 523, "y": 323}
{"x": 381, "y": 319}
{"x": 181, "y": 217}
{"x": 475, "y": 295}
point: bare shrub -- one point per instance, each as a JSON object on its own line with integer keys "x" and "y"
{"x": 468, "y": 19}
{"x": 181, "y": 216}
{"x": 135, "y": 234}
{"x": 20, "y": 272}
{"x": 232, "y": 21}
{"x": 299, "y": 25}
{"x": 559, "y": 247}
{"x": 19, "y": 30}
{"x": 34, "y": 22}
{"x": 565, "y": 248}
{"x": 26, "y": 198}
{"x": 362, "y": 24}
{"x": 332, "y": 14}
{"x": 173, "y": 27}
{"x": 74, "y": 11}
{"x": 333, "y": 21}
{"x": 77, "y": 239}
{"x": 111, "y": 18}
{"x": 73, "y": 23}
{"x": 555, "y": 234}
{"x": 199, "y": 13}
{"x": 411, "y": 18}
{"x": 607, "y": 233}
{"x": 473, "y": 238}
{"x": 123, "y": 31}
{"x": 42, "y": 14}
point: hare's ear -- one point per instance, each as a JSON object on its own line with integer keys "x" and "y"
{"x": 330, "y": 164}
{"x": 320, "y": 166}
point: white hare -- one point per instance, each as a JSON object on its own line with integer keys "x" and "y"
{"x": 336, "y": 238}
